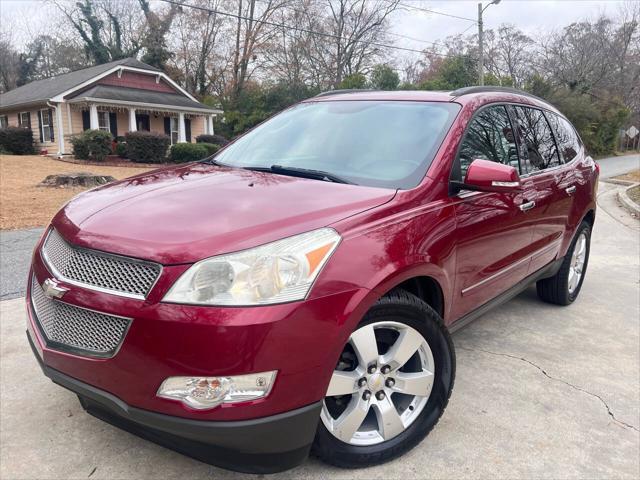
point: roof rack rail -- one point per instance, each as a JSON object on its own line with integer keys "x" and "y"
{"x": 342, "y": 91}
{"x": 478, "y": 89}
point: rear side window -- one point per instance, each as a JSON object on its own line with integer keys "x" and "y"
{"x": 566, "y": 137}
{"x": 537, "y": 146}
{"x": 489, "y": 136}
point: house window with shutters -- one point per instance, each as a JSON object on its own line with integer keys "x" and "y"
{"x": 46, "y": 126}
{"x": 4, "y": 121}
{"x": 24, "y": 119}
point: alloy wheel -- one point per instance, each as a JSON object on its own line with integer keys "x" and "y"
{"x": 578, "y": 258}
{"x": 381, "y": 384}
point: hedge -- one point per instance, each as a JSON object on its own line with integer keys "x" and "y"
{"x": 121, "y": 149}
{"x": 188, "y": 152}
{"x": 211, "y": 148}
{"x": 92, "y": 145}
{"x": 16, "y": 140}
{"x": 147, "y": 147}
{"x": 214, "y": 139}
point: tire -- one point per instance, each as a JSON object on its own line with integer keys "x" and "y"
{"x": 412, "y": 315}
{"x": 557, "y": 289}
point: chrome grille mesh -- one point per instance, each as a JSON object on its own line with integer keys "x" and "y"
{"x": 93, "y": 268}
{"x": 76, "y": 328}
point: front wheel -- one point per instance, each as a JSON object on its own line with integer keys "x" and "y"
{"x": 563, "y": 288}
{"x": 391, "y": 385}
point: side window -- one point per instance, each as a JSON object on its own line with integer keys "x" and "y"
{"x": 566, "y": 137}
{"x": 489, "y": 136}
{"x": 537, "y": 146}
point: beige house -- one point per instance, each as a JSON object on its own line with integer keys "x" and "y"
{"x": 122, "y": 96}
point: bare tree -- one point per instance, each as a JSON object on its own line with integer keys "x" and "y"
{"x": 510, "y": 54}
{"x": 353, "y": 31}
{"x": 198, "y": 45}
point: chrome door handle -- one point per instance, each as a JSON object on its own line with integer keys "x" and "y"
{"x": 570, "y": 190}
{"x": 527, "y": 206}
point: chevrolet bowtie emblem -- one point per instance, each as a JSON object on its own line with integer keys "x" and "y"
{"x": 52, "y": 289}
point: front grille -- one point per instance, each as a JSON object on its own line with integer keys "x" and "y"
{"x": 98, "y": 270}
{"x": 70, "y": 328}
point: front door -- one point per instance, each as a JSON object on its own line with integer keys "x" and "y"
{"x": 494, "y": 231}
{"x": 143, "y": 123}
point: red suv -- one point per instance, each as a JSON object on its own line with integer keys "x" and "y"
{"x": 297, "y": 291}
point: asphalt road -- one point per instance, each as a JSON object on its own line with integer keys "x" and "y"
{"x": 16, "y": 246}
{"x": 612, "y": 166}
{"x": 541, "y": 392}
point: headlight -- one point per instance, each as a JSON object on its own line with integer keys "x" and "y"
{"x": 208, "y": 392}
{"x": 277, "y": 272}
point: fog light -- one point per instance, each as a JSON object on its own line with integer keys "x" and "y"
{"x": 209, "y": 392}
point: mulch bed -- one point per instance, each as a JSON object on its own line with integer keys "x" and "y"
{"x": 114, "y": 161}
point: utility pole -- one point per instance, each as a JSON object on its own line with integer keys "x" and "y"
{"x": 481, "y": 40}
{"x": 481, "y": 46}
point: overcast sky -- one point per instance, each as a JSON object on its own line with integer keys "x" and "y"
{"x": 537, "y": 16}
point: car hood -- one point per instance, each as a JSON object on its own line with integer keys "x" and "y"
{"x": 184, "y": 214}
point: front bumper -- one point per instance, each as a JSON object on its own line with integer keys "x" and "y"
{"x": 264, "y": 445}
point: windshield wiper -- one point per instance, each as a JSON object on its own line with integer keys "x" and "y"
{"x": 212, "y": 161}
{"x": 302, "y": 172}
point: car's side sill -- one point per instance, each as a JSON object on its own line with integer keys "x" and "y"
{"x": 545, "y": 272}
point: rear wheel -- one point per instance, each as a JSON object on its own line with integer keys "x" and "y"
{"x": 563, "y": 288}
{"x": 391, "y": 385}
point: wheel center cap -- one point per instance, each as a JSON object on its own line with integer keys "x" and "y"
{"x": 375, "y": 382}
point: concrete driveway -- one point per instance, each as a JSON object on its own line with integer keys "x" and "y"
{"x": 541, "y": 392}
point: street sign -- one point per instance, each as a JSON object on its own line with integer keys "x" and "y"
{"x": 632, "y": 132}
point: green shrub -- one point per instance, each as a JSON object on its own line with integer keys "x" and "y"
{"x": 17, "y": 140}
{"x": 121, "y": 150}
{"x": 214, "y": 139}
{"x": 211, "y": 148}
{"x": 92, "y": 145}
{"x": 188, "y": 152}
{"x": 147, "y": 147}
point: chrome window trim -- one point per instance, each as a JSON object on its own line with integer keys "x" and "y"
{"x": 544, "y": 111}
{"x": 56, "y": 273}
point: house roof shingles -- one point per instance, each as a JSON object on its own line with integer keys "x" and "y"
{"x": 134, "y": 95}
{"x": 41, "y": 91}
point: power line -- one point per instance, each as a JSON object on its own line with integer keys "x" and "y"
{"x": 428, "y": 10}
{"x": 413, "y": 38}
{"x": 465, "y": 30}
{"x": 299, "y": 29}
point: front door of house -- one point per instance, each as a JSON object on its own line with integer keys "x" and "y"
{"x": 143, "y": 122}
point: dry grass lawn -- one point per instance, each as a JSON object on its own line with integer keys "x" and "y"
{"x": 633, "y": 176}
{"x": 23, "y": 204}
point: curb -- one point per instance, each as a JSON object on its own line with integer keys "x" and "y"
{"x": 626, "y": 201}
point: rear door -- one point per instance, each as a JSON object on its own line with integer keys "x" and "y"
{"x": 493, "y": 230}
{"x": 544, "y": 171}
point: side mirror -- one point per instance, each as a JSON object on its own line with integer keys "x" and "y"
{"x": 487, "y": 176}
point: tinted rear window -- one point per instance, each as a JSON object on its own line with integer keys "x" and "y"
{"x": 537, "y": 144}
{"x": 383, "y": 144}
{"x": 566, "y": 137}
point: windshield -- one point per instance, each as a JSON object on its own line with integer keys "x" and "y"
{"x": 382, "y": 144}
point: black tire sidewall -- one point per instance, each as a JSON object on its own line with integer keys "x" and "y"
{"x": 413, "y": 314}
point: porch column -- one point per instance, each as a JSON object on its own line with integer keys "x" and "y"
{"x": 60, "y": 132}
{"x": 211, "y": 117}
{"x": 93, "y": 117}
{"x": 132, "y": 120}
{"x": 182, "y": 136}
